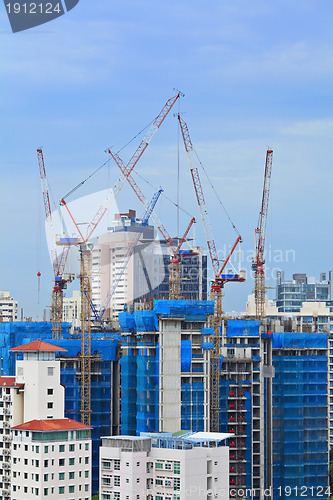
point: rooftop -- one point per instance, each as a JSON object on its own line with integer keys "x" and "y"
{"x": 37, "y": 345}
{"x": 59, "y": 424}
{"x": 9, "y": 382}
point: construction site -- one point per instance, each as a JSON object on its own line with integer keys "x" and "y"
{"x": 168, "y": 359}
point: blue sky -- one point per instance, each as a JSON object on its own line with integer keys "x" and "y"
{"x": 255, "y": 74}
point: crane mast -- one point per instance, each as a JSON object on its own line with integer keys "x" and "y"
{"x": 58, "y": 262}
{"x": 217, "y": 284}
{"x": 260, "y": 234}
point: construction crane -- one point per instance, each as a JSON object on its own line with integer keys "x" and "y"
{"x": 260, "y": 233}
{"x": 58, "y": 261}
{"x": 174, "y": 267}
{"x": 85, "y": 259}
{"x": 220, "y": 278}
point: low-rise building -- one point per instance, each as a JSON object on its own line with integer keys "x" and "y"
{"x": 8, "y": 307}
{"x": 163, "y": 466}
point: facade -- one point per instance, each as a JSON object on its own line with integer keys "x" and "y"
{"x": 147, "y": 272}
{"x": 311, "y": 316}
{"x": 300, "y": 415}
{"x": 33, "y": 408}
{"x": 164, "y": 466}
{"x": 72, "y": 309}
{"x": 165, "y": 367}
{"x": 8, "y": 307}
{"x": 290, "y": 295}
{"x": 51, "y": 459}
{"x": 105, "y": 385}
{"x": 245, "y": 374}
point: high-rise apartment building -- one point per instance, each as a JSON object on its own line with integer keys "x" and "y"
{"x": 147, "y": 272}
{"x": 165, "y": 367}
{"x": 164, "y": 466}
{"x": 40, "y": 436}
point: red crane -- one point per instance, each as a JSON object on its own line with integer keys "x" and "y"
{"x": 58, "y": 261}
{"x": 174, "y": 268}
{"x": 220, "y": 278}
{"x": 260, "y": 233}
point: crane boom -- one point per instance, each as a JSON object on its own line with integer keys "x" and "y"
{"x": 217, "y": 284}
{"x": 260, "y": 234}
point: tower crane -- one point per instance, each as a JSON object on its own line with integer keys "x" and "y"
{"x": 58, "y": 261}
{"x": 220, "y": 278}
{"x": 174, "y": 268}
{"x": 85, "y": 259}
{"x": 260, "y": 233}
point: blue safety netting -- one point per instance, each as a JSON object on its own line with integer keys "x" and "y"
{"x": 185, "y": 355}
{"x": 299, "y": 340}
{"x": 190, "y": 310}
{"x": 300, "y": 437}
{"x": 244, "y": 328}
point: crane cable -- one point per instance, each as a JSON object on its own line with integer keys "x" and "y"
{"x": 217, "y": 196}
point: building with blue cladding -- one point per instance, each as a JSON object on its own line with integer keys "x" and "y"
{"x": 300, "y": 415}
{"x": 165, "y": 367}
{"x": 105, "y": 376}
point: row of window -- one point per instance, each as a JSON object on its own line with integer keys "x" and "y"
{"x": 62, "y": 447}
{"x": 61, "y": 461}
{"x": 46, "y": 477}
{"x": 46, "y": 491}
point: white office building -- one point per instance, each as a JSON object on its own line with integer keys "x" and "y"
{"x": 36, "y": 441}
{"x": 155, "y": 466}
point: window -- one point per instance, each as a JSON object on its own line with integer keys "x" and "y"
{"x": 86, "y": 473}
{"x": 71, "y": 461}
{"x": 137, "y": 479}
{"x": 71, "y": 475}
{"x": 61, "y": 490}
{"x": 72, "y": 447}
{"x": 50, "y": 405}
{"x": 127, "y": 480}
{"x": 49, "y": 392}
{"x": 127, "y": 464}
{"x": 137, "y": 464}
{"x": 25, "y": 461}
{"x": 159, "y": 465}
{"x": 46, "y": 477}
{"x": 159, "y": 482}
{"x": 71, "y": 489}
{"x": 61, "y": 448}
{"x": 86, "y": 487}
{"x": 168, "y": 466}
{"x": 215, "y": 463}
{"x": 61, "y": 476}
{"x": 25, "y": 489}
{"x": 46, "y": 463}
{"x": 46, "y": 449}
{"x": 46, "y": 492}
{"x": 177, "y": 468}
{"x": 116, "y": 481}
{"x": 176, "y": 484}
{"x": 62, "y": 462}
{"x": 37, "y": 449}
{"x": 50, "y": 370}
{"x": 86, "y": 460}
{"x": 37, "y": 477}
{"x": 86, "y": 446}
{"x": 37, "y": 463}
{"x": 116, "y": 465}
{"x": 116, "y": 495}
{"x": 36, "y": 491}
{"x": 25, "y": 447}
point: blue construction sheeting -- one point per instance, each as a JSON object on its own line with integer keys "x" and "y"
{"x": 126, "y": 321}
{"x": 190, "y": 310}
{"x": 242, "y": 328}
{"x": 207, "y": 331}
{"x": 185, "y": 355}
{"x": 207, "y": 345}
{"x": 145, "y": 321}
{"x": 299, "y": 340}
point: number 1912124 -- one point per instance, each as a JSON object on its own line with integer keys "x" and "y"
{"x": 304, "y": 491}
{"x": 33, "y": 8}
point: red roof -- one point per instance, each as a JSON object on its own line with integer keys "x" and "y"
{"x": 9, "y": 382}
{"x": 51, "y": 424}
{"x": 37, "y": 345}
